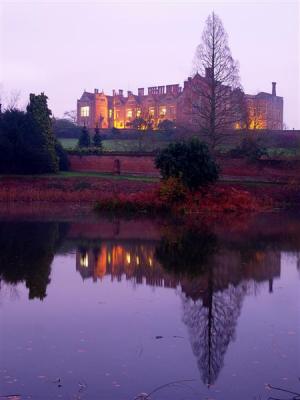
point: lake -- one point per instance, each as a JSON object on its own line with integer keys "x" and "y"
{"x": 109, "y": 308}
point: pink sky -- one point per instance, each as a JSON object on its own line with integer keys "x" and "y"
{"x": 62, "y": 48}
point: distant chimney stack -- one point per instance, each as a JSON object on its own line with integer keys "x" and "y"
{"x": 141, "y": 91}
{"x": 273, "y": 88}
{"x": 96, "y": 91}
{"x": 129, "y": 92}
{"x": 120, "y": 92}
{"x": 114, "y": 92}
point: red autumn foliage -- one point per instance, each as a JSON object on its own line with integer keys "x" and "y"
{"x": 165, "y": 198}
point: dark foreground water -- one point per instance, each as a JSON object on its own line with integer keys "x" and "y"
{"x": 108, "y": 309}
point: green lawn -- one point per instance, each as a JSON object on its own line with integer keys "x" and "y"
{"x": 71, "y": 174}
{"x": 122, "y": 145}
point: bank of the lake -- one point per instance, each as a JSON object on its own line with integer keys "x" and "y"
{"x": 80, "y": 190}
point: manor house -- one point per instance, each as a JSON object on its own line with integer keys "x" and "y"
{"x": 171, "y": 102}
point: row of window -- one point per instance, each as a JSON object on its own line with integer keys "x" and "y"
{"x": 85, "y": 112}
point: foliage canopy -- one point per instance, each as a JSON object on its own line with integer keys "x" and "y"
{"x": 190, "y": 161}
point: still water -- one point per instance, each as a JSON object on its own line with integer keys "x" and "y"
{"x": 100, "y": 308}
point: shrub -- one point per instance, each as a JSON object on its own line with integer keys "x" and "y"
{"x": 189, "y": 161}
{"x": 97, "y": 139}
{"x": 249, "y": 148}
{"x": 166, "y": 125}
{"x": 84, "y": 139}
{"x": 172, "y": 190}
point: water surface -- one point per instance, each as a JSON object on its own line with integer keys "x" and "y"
{"x": 103, "y": 308}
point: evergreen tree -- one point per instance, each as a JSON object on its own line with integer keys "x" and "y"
{"x": 41, "y": 138}
{"x": 97, "y": 139}
{"x": 84, "y": 139}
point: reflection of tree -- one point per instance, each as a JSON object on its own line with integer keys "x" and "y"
{"x": 211, "y": 303}
{"x": 186, "y": 252}
{"x": 211, "y": 322}
{"x": 27, "y": 250}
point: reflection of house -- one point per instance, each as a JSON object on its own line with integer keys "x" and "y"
{"x": 173, "y": 103}
{"x": 134, "y": 261}
{"x": 137, "y": 262}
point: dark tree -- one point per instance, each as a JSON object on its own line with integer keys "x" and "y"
{"x": 42, "y": 136}
{"x": 190, "y": 161}
{"x": 27, "y": 142}
{"x": 97, "y": 142}
{"x": 84, "y": 139}
{"x": 216, "y": 100}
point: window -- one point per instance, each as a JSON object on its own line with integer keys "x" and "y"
{"x": 138, "y": 113}
{"x": 85, "y": 111}
{"x": 129, "y": 113}
{"x": 110, "y": 113}
{"x": 162, "y": 111}
{"x": 151, "y": 111}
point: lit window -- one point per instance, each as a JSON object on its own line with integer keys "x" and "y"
{"x": 84, "y": 260}
{"x": 162, "y": 111}
{"x": 128, "y": 259}
{"x": 138, "y": 112}
{"x": 110, "y": 113}
{"x": 85, "y": 111}
{"x": 129, "y": 113}
{"x": 151, "y": 111}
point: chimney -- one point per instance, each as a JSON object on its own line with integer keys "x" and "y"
{"x": 120, "y": 92}
{"x": 114, "y": 92}
{"x": 129, "y": 92}
{"x": 96, "y": 91}
{"x": 141, "y": 91}
{"x": 273, "y": 88}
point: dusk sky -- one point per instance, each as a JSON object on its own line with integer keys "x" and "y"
{"x": 62, "y": 48}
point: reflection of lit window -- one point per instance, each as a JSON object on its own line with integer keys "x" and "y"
{"x": 108, "y": 258}
{"x": 128, "y": 258}
{"x": 84, "y": 260}
{"x": 110, "y": 113}
{"x": 162, "y": 111}
{"x": 129, "y": 113}
{"x": 85, "y": 111}
{"x": 151, "y": 111}
{"x": 137, "y": 260}
{"x": 138, "y": 112}
{"x": 150, "y": 261}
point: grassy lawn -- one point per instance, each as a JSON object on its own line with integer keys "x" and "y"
{"x": 122, "y": 145}
{"x": 71, "y": 174}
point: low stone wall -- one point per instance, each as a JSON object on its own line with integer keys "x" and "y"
{"x": 115, "y": 163}
{"x": 281, "y": 170}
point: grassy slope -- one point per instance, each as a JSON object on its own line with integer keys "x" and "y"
{"x": 126, "y": 145}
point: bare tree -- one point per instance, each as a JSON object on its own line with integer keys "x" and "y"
{"x": 71, "y": 116}
{"x": 217, "y": 96}
{"x": 10, "y": 101}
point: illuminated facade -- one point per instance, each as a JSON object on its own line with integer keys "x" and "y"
{"x": 173, "y": 103}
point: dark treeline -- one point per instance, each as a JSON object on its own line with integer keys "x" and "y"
{"x": 27, "y": 142}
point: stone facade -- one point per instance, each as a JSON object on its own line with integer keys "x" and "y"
{"x": 173, "y": 103}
